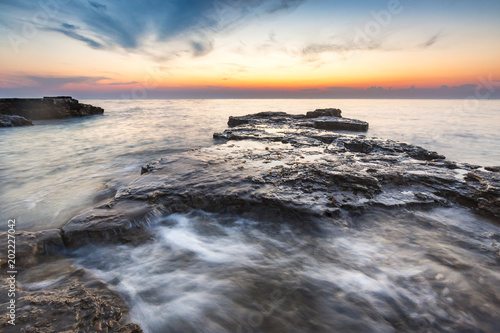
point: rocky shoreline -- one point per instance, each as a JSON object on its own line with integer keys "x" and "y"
{"x": 21, "y": 111}
{"x": 267, "y": 166}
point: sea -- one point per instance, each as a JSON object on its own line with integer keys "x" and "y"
{"x": 390, "y": 271}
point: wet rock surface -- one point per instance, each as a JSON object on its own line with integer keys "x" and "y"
{"x": 13, "y": 120}
{"x": 32, "y": 246}
{"x": 47, "y": 108}
{"x": 273, "y": 167}
{"x": 105, "y": 224}
{"x": 54, "y": 296}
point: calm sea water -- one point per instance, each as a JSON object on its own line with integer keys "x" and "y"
{"x": 385, "y": 271}
{"x": 53, "y": 170}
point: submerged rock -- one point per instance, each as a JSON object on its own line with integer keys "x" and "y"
{"x": 47, "y": 108}
{"x": 13, "y": 120}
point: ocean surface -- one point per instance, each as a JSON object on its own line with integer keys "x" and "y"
{"x": 211, "y": 273}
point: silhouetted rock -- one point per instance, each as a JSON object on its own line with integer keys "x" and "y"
{"x": 47, "y": 108}
{"x": 13, "y": 120}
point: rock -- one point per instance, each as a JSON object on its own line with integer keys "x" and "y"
{"x": 483, "y": 191}
{"x": 493, "y": 168}
{"x": 114, "y": 222}
{"x": 31, "y": 247}
{"x": 327, "y": 119}
{"x": 236, "y": 121}
{"x": 341, "y": 124}
{"x": 55, "y": 297}
{"x": 275, "y": 116}
{"x": 324, "y": 113}
{"x": 13, "y": 120}
{"x": 47, "y": 108}
{"x": 273, "y": 168}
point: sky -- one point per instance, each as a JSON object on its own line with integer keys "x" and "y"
{"x": 250, "y": 49}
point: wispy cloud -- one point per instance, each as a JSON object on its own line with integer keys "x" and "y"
{"x": 431, "y": 41}
{"x": 272, "y": 44}
{"x": 121, "y": 83}
{"x": 128, "y": 24}
{"x": 312, "y": 51}
{"x": 70, "y": 31}
{"x": 97, "y": 5}
{"x": 59, "y": 81}
{"x": 347, "y": 46}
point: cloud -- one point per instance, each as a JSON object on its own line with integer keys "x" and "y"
{"x": 201, "y": 48}
{"x": 59, "y": 81}
{"x": 272, "y": 44}
{"x": 115, "y": 90}
{"x": 121, "y": 83}
{"x": 431, "y": 41}
{"x": 70, "y": 31}
{"x": 312, "y": 51}
{"x": 278, "y": 6}
{"x": 316, "y": 48}
{"x": 129, "y": 24}
{"x": 98, "y": 6}
{"x": 347, "y": 42}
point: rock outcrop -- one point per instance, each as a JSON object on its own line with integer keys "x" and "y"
{"x": 272, "y": 167}
{"x": 47, "y": 108}
{"x": 13, "y": 120}
{"x": 327, "y": 119}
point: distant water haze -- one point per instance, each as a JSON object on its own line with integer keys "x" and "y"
{"x": 54, "y": 170}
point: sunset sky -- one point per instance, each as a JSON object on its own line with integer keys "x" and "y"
{"x": 250, "y": 49}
